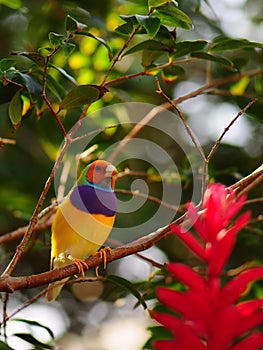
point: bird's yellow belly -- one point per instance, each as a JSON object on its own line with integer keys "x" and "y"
{"x": 78, "y": 233}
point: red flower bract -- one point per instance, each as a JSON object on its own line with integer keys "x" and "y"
{"x": 207, "y": 315}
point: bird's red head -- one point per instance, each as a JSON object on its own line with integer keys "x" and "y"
{"x": 102, "y": 173}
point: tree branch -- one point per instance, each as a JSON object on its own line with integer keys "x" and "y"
{"x": 11, "y": 284}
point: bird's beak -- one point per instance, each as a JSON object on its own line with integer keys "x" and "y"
{"x": 110, "y": 171}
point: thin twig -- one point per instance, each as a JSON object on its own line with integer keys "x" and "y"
{"x": 148, "y": 197}
{"x": 150, "y": 261}
{"x": 215, "y": 146}
{"x": 189, "y": 132}
{"x": 148, "y": 71}
{"x": 44, "y": 96}
{"x": 5, "y": 141}
{"x": 34, "y": 219}
{"x": 5, "y": 301}
{"x": 158, "y": 109}
{"x": 117, "y": 57}
{"x": 247, "y": 183}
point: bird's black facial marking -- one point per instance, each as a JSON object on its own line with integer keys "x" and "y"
{"x": 98, "y": 168}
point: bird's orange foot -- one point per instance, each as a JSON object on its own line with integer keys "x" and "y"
{"x": 81, "y": 264}
{"x": 103, "y": 254}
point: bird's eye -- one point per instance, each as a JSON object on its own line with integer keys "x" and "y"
{"x": 98, "y": 168}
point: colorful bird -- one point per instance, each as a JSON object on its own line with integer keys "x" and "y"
{"x": 83, "y": 221}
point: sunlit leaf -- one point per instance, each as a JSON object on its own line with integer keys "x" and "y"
{"x": 150, "y": 24}
{"x": 82, "y": 95}
{"x": 157, "y": 3}
{"x": 172, "y": 73}
{"x": 240, "y": 86}
{"x": 225, "y": 43}
{"x": 122, "y": 282}
{"x": 15, "y": 109}
{"x": 56, "y": 39}
{"x": 14, "y": 4}
{"x": 219, "y": 59}
{"x": 172, "y": 16}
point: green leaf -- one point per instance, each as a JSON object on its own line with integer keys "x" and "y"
{"x": 4, "y": 346}
{"x": 122, "y": 282}
{"x": 82, "y": 95}
{"x": 68, "y": 48}
{"x": 148, "y": 57}
{"x": 13, "y": 4}
{"x": 166, "y": 37}
{"x": 100, "y": 40}
{"x": 15, "y": 109}
{"x": 172, "y": 16}
{"x": 157, "y": 3}
{"x": 184, "y": 48}
{"x": 72, "y": 25}
{"x": 259, "y": 85}
{"x": 32, "y": 340}
{"x": 158, "y": 333}
{"x": 219, "y": 59}
{"x": 150, "y": 24}
{"x": 56, "y": 88}
{"x": 35, "y": 324}
{"x": 240, "y": 86}
{"x": 125, "y": 28}
{"x": 150, "y": 45}
{"x": 33, "y": 87}
{"x": 64, "y": 73}
{"x": 239, "y": 62}
{"x": 56, "y": 39}
{"x": 129, "y": 19}
{"x": 6, "y": 63}
{"x": 33, "y": 56}
{"x": 172, "y": 73}
{"x": 225, "y": 43}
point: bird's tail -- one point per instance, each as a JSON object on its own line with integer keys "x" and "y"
{"x": 54, "y": 289}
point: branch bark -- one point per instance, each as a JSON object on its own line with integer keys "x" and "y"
{"x": 10, "y": 284}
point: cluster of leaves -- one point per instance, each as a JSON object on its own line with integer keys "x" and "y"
{"x": 25, "y": 89}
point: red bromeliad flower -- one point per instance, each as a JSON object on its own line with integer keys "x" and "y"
{"x": 208, "y": 315}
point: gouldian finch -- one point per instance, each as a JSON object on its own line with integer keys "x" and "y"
{"x": 83, "y": 220}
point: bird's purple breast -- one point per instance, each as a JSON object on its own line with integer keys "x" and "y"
{"x": 94, "y": 200}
